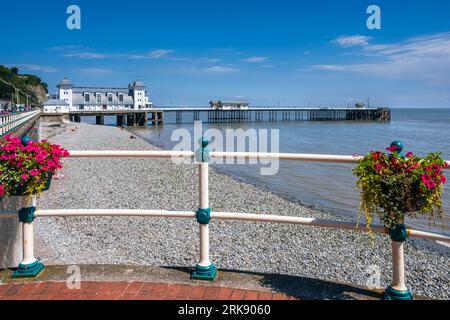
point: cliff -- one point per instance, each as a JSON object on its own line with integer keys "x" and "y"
{"x": 27, "y": 84}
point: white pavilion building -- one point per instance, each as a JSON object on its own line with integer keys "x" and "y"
{"x": 134, "y": 96}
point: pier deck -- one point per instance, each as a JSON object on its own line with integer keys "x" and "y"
{"x": 189, "y": 115}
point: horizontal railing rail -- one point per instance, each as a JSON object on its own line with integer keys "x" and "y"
{"x": 305, "y": 157}
{"x": 236, "y": 216}
{"x": 12, "y": 121}
{"x": 205, "y": 270}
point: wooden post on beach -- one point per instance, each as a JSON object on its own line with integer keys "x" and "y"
{"x": 204, "y": 269}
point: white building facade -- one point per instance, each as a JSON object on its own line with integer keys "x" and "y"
{"x": 135, "y": 96}
{"x": 56, "y": 106}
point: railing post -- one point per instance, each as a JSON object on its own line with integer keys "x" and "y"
{"x": 398, "y": 290}
{"x": 204, "y": 269}
{"x": 30, "y": 267}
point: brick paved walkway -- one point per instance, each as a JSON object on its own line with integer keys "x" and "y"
{"x": 92, "y": 290}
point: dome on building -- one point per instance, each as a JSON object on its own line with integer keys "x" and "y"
{"x": 137, "y": 83}
{"x": 65, "y": 83}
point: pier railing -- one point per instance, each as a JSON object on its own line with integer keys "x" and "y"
{"x": 10, "y": 122}
{"x": 205, "y": 269}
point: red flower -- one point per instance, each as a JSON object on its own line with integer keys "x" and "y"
{"x": 443, "y": 180}
{"x": 409, "y": 154}
{"x": 445, "y": 165}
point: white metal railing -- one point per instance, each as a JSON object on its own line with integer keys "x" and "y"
{"x": 10, "y": 122}
{"x": 205, "y": 269}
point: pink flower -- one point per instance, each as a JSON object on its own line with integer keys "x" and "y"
{"x": 445, "y": 165}
{"x": 428, "y": 168}
{"x": 378, "y": 167}
{"x": 437, "y": 167}
{"x": 426, "y": 178}
{"x": 2, "y": 190}
{"x": 392, "y": 148}
{"x": 15, "y": 140}
{"x": 34, "y": 172}
{"x": 409, "y": 154}
{"x": 443, "y": 180}
{"x": 39, "y": 158}
{"x": 430, "y": 184}
{"x": 24, "y": 176}
{"x": 10, "y": 147}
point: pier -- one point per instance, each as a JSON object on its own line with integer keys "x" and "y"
{"x": 278, "y": 114}
{"x": 159, "y": 116}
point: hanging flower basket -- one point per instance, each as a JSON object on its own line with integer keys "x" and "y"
{"x": 27, "y": 167}
{"x": 394, "y": 185}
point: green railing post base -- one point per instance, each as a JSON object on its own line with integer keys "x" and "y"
{"x": 393, "y": 294}
{"x": 28, "y": 270}
{"x": 204, "y": 273}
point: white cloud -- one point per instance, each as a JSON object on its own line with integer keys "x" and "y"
{"x": 218, "y": 69}
{"x": 33, "y": 67}
{"x": 87, "y": 55}
{"x": 160, "y": 53}
{"x": 255, "y": 59}
{"x": 425, "y": 57}
{"x": 227, "y": 51}
{"x": 96, "y": 71}
{"x": 351, "y": 41}
{"x": 154, "y": 54}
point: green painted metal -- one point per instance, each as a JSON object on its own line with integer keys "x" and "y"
{"x": 27, "y": 214}
{"x": 393, "y": 294}
{"x": 204, "y": 273}
{"x": 31, "y": 270}
{"x": 203, "y": 154}
{"x": 397, "y": 144}
{"x": 25, "y": 140}
{"x": 399, "y": 233}
{"x": 204, "y": 216}
{"x": 49, "y": 181}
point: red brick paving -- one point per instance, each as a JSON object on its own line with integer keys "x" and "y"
{"x": 91, "y": 290}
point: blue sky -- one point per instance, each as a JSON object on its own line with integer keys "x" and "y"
{"x": 268, "y": 52}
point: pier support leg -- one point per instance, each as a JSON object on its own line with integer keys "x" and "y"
{"x": 100, "y": 120}
{"x": 398, "y": 290}
{"x": 129, "y": 120}
{"x": 204, "y": 269}
{"x": 120, "y": 120}
{"x": 30, "y": 267}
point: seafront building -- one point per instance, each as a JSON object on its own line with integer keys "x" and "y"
{"x": 133, "y": 97}
{"x": 229, "y": 105}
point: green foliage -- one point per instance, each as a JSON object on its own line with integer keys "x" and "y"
{"x": 393, "y": 186}
{"x": 22, "y": 82}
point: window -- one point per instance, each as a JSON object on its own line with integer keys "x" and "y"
{"x": 87, "y": 97}
{"x": 99, "y": 98}
{"x": 110, "y": 97}
{"x": 120, "y": 97}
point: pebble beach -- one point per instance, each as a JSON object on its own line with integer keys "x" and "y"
{"x": 326, "y": 254}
